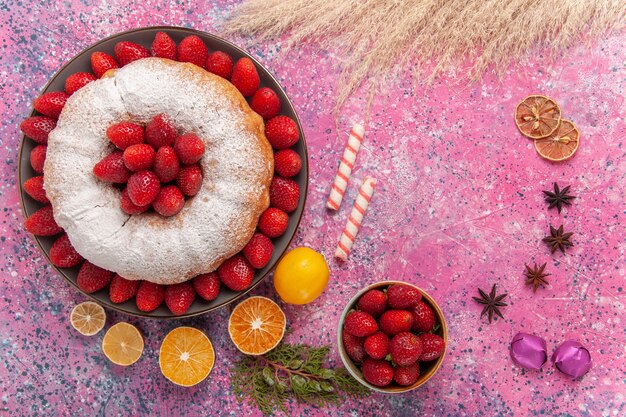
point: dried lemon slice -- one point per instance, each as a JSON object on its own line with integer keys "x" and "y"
{"x": 88, "y": 318}
{"x": 560, "y": 145}
{"x": 256, "y": 325}
{"x": 537, "y": 116}
{"x": 186, "y": 356}
{"x": 123, "y": 344}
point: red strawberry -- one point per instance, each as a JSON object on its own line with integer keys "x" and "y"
{"x": 266, "y": 103}
{"x": 128, "y": 206}
{"x": 51, "y": 104}
{"x": 160, "y": 131}
{"x": 122, "y": 289}
{"x": 406, "y": 375}
{"x": 38, "y": 158}
{"x": 34, "y": 188}
{"x": 101, "y": 63}
{"x": 189, "y": 148}
{"x": 192, "y": 49}
{"x": 77, "y": 81}
{"x": 143, "y": 187}
{"x": 149, "y": 296}
{"x": 169, "y": 201}
{"x": 401, "y": 296}
{"x": 189, "y": 180}
{"x": 273, "y": 222}
{"x": 377, "y": 345}
{"x": 405, "y": 348}
{"x": 236, "y": 273}
{"x": 259, "y": 250}
{"x": 207, "y": 285}
{"x": 63, "y": 254}
{"x": 287, "y": 163}
{"x": 166, "y": 165}
{"x": 354, "y": 346}
{"x": 433, "y": 346}
{"x": 127, "y": 52}
{"x": 395, "y": 321}
{"x": 377, "y": 372}
{"x": 282, "y": 132}
{"x": 139, "y": 157}
{"x": 112, "y": 168}
{"x": 163, "y": 46}
{"x": 245, "y": 77}
{"x": 423, "y": 317}
{"x": 360, "y": 324}
{"x": 92, "y": 278}
{"x": 179, "y": 297}
{"x": 125, "y": 134}
{"x": 373, "y": 302}
{"x": 220, "y": 63}
{"x": 37, "y": 128}
{"x": 42, "y": 223}
{"x": 284, "y": 194}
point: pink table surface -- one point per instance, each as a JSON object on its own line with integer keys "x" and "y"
{"x": 458, "y": 206}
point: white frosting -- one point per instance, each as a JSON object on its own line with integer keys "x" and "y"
{"x": 213, "y": 225}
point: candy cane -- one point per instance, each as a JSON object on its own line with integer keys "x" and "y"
{"x": 356, "y": 217}
{"x": 345, "y": 167}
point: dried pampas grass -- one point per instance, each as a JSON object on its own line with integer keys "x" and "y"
{"x": 427, "y": 37}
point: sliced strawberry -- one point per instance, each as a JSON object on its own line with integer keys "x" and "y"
{"x": 189, "y": 180}
{"x": 63, "y": 254}
{"x": 284, "y": 194}
{"x": 37, "y": 128}
{"x": 220, "y": 63}
{"x": 161, "y": 131}
{"x": 192, "y": 49}
{"x": 259, "y": 250}
{"x": 179, "y": 297}
{"x": 149, "y": 296}
{"x": 112, "y": 169}
{"x": 139, "y": 157}
{"x": 169, "y": 201}
{"x": 236, "y": 273}
{"x": 127, "y": 52}
{"x": 189, "y": 148}
{"x": 273, "y": 222}
{"x": 143, "y": 187}
{"x": 287, "y": 163}
{"x": 51, "y": 104}
{"x": 245, "y": 77}
{"x": 38, "y": 158}
{"x": 166, "y": 165}
{"x": 34, "y": 188}
{"x": 125, "y": 134}
{"x": 129, "y": 207}
{"x": 101, "y": 63}
{"x": 122, "y": 289}
{"x": 78, "y": 80}
{"x": 92, "y": 278}
{"x": 207, "y": 286}
{"x": 282, "y": 132}
{"x": 163, "y": 46}
{"x": 42, "y": 223}
{"x": 266, "y": 103}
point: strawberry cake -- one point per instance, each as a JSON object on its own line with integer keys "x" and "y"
{"x": 237, "y": 166}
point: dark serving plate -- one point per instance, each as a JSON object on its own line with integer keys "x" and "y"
{"x": 145, "y": 36}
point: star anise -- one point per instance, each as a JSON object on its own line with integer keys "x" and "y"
{"x": 535, "y": 276}
{"x": 558, "y": 239}
{"x": 492, "y": 302}
{"x": 558, "y": 198}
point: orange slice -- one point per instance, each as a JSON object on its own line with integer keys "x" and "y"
{"x": 537, "y": 116}
{"x": 256, "y": 325}
{"x": 186, "y": 357}
{"x": 88, "y": 318}
{"x": 560, "y": 145}
{"x": 123, "y": 344}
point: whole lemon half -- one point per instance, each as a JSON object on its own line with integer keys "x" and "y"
{"x": 301, "y": 276}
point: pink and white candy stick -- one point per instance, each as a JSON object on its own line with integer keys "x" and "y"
{"x": 345, "y": 167}
{"x": 356, "y": 217}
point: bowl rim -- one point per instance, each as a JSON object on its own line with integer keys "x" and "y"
{"x": 303, "y": 193}
{"x": 352, "y": 367}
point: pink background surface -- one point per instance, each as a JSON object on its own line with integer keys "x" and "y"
{"x": 458, "y": 206}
